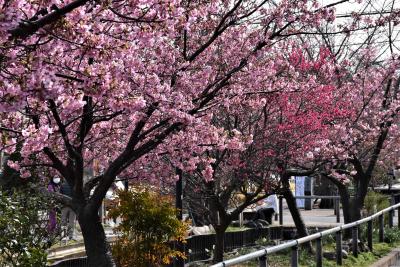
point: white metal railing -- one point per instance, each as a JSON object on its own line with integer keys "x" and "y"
{"x": 262, "y": 254}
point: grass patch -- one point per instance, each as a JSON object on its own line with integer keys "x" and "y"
{"x": 236, "y": 229}
{"x": 282, "y": 259}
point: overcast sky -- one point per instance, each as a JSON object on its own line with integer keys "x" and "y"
{"x": 372, "y": 6}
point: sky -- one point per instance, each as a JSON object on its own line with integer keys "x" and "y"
{"x": 381, "y": 37}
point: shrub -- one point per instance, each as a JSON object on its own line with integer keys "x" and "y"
{"x": 148, "y": 223}
{"x": 392, "y": 235}
{"x": 24, "y": 236}
{"x": 375, "y": 202}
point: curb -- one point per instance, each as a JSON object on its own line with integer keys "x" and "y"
{"x": 71, "y": 251}
{"x": 388, "y": 260}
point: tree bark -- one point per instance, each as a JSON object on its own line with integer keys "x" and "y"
{"x": 219, "y": 243}
{"x": 97, "y": 248}
{"x": 357, "y": 202}
{"x": 345, "y": 200}
{"x": 294, "y": 211}
{"x": 356, "y": 205}
{"x": 352, "y": 206}
{"x": 346, "y": 206}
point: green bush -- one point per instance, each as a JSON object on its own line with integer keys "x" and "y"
{"x": 375, "y": 202}
{"x": 24, "y": 236}
{"x": 392, "y": 235}
{"x": 148, "y": 222}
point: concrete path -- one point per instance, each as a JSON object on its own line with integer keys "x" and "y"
{"x": 315, "y": 217}
{"x": 318, "y": 217}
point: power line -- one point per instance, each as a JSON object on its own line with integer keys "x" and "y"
{"x": 348, "y": 15}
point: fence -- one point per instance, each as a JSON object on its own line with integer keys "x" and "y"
{"x": 262, "y": 255}
{"x": 198, "y": 247}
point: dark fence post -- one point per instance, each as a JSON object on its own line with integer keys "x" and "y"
{"x": 319, "y": 252}
{"x": 334, "y": 206}
{"x": 295, "y": 256}
{"x": 398, "y": 217}
{"x": 369, "y": 235}
{"x": 337, "y": 206}
{"x": 339, "y": 256}
{"x": 391, "y": 218}
{"x": 280, "y": 210}
{"x": 354, "y": 237}
{"x": 263, "y": 261}
{"x": 381, "y": 229}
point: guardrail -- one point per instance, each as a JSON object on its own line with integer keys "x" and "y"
{"x": 262, "y": 254}
{"x": 336, "y": 206}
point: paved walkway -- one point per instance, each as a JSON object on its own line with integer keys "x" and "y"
{"x": 314, "y": 217}
{"x": 318, "y": 217}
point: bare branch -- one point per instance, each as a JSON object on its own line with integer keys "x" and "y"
{"x": 28, "y": 28}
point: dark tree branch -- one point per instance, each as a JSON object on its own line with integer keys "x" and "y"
{"x": 65, "y": 200}
{"x": 4, "y": 129}
{"x": 125, "y": 158}
{"x": 86, "y": 122}
{"x": 89, "y": 185}
{"x": 53, "y": 108}
{"x": 57, "y": 163}
{"x": 68, "y": 77}
{"x": 221, "y": 27}
{"x": 28, "y": 28}
{"x": 107, "y": 117}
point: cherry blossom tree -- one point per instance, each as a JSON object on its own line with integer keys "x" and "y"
{"x": 125, "y": 83}
{"x": 300, "y": 121}
{"x": 240, "y": 176}
{"x": 287, "y": 120}
{"x": 366, "y": 139}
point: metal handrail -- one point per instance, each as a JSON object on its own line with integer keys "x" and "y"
{"x": 261, "y": 254}
{"x": 315, "y": 197}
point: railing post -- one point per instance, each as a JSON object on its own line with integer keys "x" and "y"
{"x": 390, "y": 218}
{"x": 280, "y": 211}
{"x": 369, "y": 235}
{"x": 295, "y": 256}
{"x": 334, "y": 207}
{"x": 398, "y": 217}
{"x": 263, "y": 261}
{"x": 337, "y": 210}
{"x": 354, "y": 231}
{"x": 339, "y": 256}
{"x": 319, "y": 252}
{"x": 381, "y": 227}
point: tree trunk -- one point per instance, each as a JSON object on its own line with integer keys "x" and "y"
{"x": 345, "y": 201}
{"x": 346, "y": 206}
{"x": 294, "y": 211}
{"x": 97, "y": 248}
{"x": 219, "y": 243}
{"x": 357, "y": 202}
{"x": 355, "y": 209}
